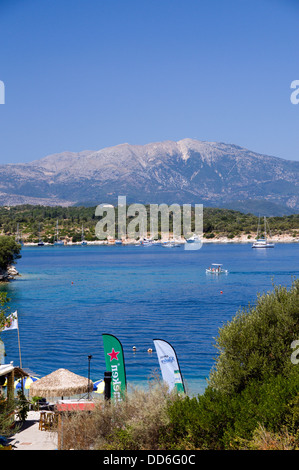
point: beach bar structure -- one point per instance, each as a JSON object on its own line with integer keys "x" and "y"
{"x": 10, "y": 372}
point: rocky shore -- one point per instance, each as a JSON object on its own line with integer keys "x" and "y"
{"x": 9, "y": 274}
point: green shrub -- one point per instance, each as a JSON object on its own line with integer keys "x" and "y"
{"x": 256, "y": 343}
{"x": 9, "y": 251}
{"x": 219, "y": 421}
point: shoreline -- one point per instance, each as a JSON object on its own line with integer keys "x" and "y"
{"x": 243, "y": 239}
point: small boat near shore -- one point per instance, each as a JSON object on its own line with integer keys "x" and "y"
{"x": 170, "y": 244}
{"x": 193, "y": 239}
{"x": 216, "y": 268}
{"x": 83, "y": 241}
{"x": 40, "y": 241}
{"x": 57, "y": 242}
{"x": 147, "y": 242}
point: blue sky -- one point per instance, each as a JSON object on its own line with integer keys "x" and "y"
{"x": 87, "y": 74}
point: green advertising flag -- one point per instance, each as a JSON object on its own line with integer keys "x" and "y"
{"x": 115, "y": 363}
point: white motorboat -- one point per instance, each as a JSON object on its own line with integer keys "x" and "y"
{"x": 170, "y": 244}
{"x": 193, "y": 239}
{"x": 216, "y": 268}
{"x": 262, "y": 242}
{"x": 147, "y": 242}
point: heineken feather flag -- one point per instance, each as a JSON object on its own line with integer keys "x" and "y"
{"x": 115, "y": 363}
{"x": 169, "y": 365}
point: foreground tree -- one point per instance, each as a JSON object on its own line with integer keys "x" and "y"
{"x": 4, "y": 309}
{"x": 256, "y": 344}
{"x": 9, "y": 252}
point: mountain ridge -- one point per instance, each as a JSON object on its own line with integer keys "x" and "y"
{"x": 186, "y": 171}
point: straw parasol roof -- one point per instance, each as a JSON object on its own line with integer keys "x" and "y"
{"x": 60, "y": 383}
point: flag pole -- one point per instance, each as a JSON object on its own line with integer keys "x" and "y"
{"x": 19, "y": 347}
{"x": 17, "y": 318}
{"x": 12, "y": 325}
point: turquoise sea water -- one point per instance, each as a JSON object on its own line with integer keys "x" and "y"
{"x": 67, "y": 297}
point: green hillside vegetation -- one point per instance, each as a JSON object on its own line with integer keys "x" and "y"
{"x": 217, "y": 222}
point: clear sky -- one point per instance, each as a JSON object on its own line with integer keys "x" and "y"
{"x": 87, "y": 74}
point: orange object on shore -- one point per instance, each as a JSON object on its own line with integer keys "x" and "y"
{"x": 74, "y": 406}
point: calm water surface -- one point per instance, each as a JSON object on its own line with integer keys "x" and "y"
{"x": 67, "y": 297}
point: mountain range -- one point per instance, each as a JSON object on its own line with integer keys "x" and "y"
{"x": 188, "y": 171}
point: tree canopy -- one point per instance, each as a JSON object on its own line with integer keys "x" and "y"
{"x": 256, "y": 344}
{"x": 9, "y": 251}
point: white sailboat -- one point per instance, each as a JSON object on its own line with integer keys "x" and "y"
{"x": 57, "y": 241}
{"x": 40, "y": 241}
{"x": 262, "y": 242}
{"x": 19, "y": 236}
{"x": 83, "y": 241}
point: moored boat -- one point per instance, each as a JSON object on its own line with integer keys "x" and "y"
{"x": 57, "y": 241}
{"x": 193, "y": 239}
{"x": 40, "y": 241}
{"x": 83, "y": 241}
{"x": 147, "y": 242}
{"x": 170, "y": 244}
{"x": 262, "y": 242}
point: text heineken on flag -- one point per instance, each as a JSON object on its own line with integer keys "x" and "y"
{"x": 114, "y": 359}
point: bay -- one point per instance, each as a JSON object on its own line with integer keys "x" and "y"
{"x": 67, "y": 297}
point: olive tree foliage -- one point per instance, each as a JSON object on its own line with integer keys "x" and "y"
{"x": 9, "y": 251}
{"x": 4, "y": 309}
{"x": 256, "y": 343}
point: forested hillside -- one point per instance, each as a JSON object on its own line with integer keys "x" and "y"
{"x": 30, "y": 220}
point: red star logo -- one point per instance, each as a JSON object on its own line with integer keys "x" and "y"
{"x": 113, "y": 354}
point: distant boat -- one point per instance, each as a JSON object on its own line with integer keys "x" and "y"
{"x": 83, "y": 241}
{"x": 216, "y": 269}
{"x": 40, "y": 241}
{"x": 171, "y": 244}
{"x": 262, "y": 242}
{"x": 193, "y": 239}
{"x": 146, "y": 242}
{"x": 19, "y": 236}
{"x": 57, "y": 241}
{"x": 118, "y": 242}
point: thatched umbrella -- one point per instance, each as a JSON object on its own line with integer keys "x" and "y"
{"x": 60, "y": 383}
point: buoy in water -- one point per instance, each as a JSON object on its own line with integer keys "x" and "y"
{"x": 149, "y": 350}
{"x": 221, "y": 292}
